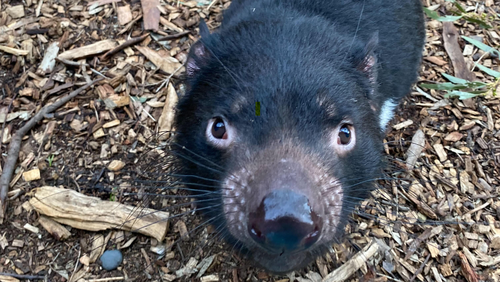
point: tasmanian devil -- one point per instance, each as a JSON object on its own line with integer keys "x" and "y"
{"x": 280, "y": 132}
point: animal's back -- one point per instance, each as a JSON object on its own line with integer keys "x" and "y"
{"x": 399, "y": 25}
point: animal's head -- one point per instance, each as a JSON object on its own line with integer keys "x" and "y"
{"x": 279, "y": 137}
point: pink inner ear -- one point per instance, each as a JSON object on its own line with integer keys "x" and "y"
{"x": 368, "y": 67}
{"x": 369, "y": 63}
{"x": 199, "y": 54}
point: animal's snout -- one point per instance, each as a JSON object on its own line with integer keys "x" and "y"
{"x": 284, "y": 222}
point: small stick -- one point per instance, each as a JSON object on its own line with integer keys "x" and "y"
{"x": 107, "y": 279}
{"x": 15, "y": 144}
{"x": 124, "y": 45}
{"x": 71, "y": 63}
{"x": 420, "y": 268}
{"x": 29, "y": 277}
{"x": 211, "y": 4}
{"x": 167, "y": 80}
{"x": 480, "y": 207}
{"x": 174, "y": 36}
{"x": 129, "y": 25}
{"x": 76, "y": 264}
{"x": 352, "y": 265}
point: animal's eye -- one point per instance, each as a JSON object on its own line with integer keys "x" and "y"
{"x": 220, "y": 133}
{"x": 219, "y": 129}
{"x": 344, "y": 137}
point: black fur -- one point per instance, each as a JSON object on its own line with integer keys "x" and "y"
{"x": 287, "y": 55}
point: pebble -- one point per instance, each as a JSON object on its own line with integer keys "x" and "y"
{"x": 111, "y": 259}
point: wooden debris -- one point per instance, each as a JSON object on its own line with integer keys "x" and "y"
{"x": 98, "y": 247}
{"x": 48, "y": 62}
{"x": 31, "y": 228}
{"x": 467, "y": 271}
{"x": 204, "y": 265}
{"x": 116, "y": 101}
{"x": 124, "y": 45}
{"x": 454, "y": 136}
{"x": 31, "y": 175}
{"x": 124, "y": 14}
{"x": 210, "y": 278}
{"x": 149, "y": 267}
{"x": 433, "y": 249}
{"x": 495, "y": 242}
{"x": 110, "y": 98}
{"x": 351, "y": 266}
{"x": 116, "y": 165}
{"x": 88, "y": 213}
{"x": 180, "y": 226}
{"x": 436, "y": 60}
{"x": 440, "y": 152}
{"x": 167, "y": 115}
{"x": 450, "y": 37}
{"x": 55, "y": 229}
{"x": 170, "y": 25}
{"x": 98, "y": 133}
{"x": 13, "y": 51}
{"x": 151, "y": 11}
{"x": 18, "y": 243}
{"x": 111, "y": 124}
{"x": 415, "y": 149}
{"x": 101, "y": 2}
{"x": 16, "y": 12}
{"x": 402, "y": 125}
{"x": 89, "y": 50}
{"x": 5, "y": 278}
{"x": 85, "y": 260}
{"x": 3, "y": 241}
{"x": 174, "y": 36}
{"x": 166, "y": 64}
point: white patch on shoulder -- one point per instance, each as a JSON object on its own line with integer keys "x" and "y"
{"x": 386, "y": 113}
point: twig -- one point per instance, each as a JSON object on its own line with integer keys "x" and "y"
{"x": 72, "y": 63}
{"x": 76, "y": 264}
{"x": 167, "y": 80}
{"x": 15, "y": 144}
{"x": 352, "y": 265}
{"x": 124, "y": 45}
{"x": 479, "y": 208}
{"x": 174, "y": 36}
{"x": 98, "y": 73}
{"x": 420, "y": 268}
{"x": 29, "y": 277}
{"x": 211, "y": 4}
{"x": 478, "y": 60}
{"x": 107, "y": 279}
{"x": 129, "y": 25}
{"x": 467, "y": 271}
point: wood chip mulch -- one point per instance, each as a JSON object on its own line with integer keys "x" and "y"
{"x": 435, "y": 217}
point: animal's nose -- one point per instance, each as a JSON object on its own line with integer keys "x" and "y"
{"x": 284, "y": 222}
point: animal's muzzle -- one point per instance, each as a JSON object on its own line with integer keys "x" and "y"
{"x": 284, "y": 222}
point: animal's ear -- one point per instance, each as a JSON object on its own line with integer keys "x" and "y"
{"x": 383, "y": 108}
{"x": 368, "y": 64}
{"x": 199, "y": 53}
{"x": 197, "y": 58}
{"x": 204, "y": 31}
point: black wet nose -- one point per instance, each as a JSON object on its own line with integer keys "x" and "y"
{"x": 284, "y": 222}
